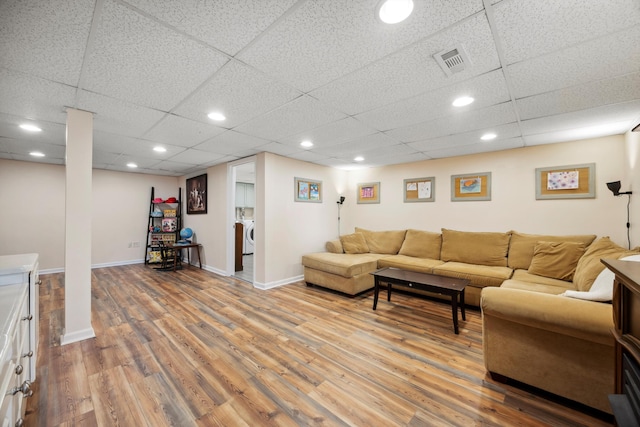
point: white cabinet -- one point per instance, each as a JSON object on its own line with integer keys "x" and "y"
{"x": 245, "y": 195}
{"x": 19, "y": 294}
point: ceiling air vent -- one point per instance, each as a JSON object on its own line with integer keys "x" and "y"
{"x": 453, "y": 60}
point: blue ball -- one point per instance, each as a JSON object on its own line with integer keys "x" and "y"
{"x": 186, "y": 233}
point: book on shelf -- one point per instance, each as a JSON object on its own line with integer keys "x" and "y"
{"x": 169, "y": 224}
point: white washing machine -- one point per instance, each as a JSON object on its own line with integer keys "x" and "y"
{"x": 248, "y": 243}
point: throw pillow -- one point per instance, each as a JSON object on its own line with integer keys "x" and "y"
{"x": 602, "y": 288}
{"x": 383, "y": 242}
{"x": 421, "y": 244}
{"x": 354, "y": 244}
{"x": 589, "y": 266}
{"x": 521, "y": 246}
{"x": 557, "y": 260}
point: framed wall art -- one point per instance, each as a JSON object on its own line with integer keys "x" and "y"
{"x": 419, "y": 189}
{"x": 197, "y": 195}
{"x": 566, "y": 182}
{"x": 369, "y": 192}
{"x": 307, "y": 190}
{"x": 471, "y": 187}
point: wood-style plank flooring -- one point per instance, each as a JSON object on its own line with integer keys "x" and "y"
{"x": 191, "y": 348}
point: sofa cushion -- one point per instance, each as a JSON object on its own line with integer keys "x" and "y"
{"x": 346, "y": 265}
{"x": 522, "y": 245}
{"x": 525, "y": 276}
{"x": 421, "y": 244}
{"x": 479, "y": 275}
{"x": 354, "y": 244}
{"x": 589, "y": 266}
{"x": 483, "y": 248}
{"x": 383, "y": 242}
{"x": 544, "y": 288}
{"x": 422, "y": 265}
{"x": 334, "y": 246}
{"x": 557, "y": 260}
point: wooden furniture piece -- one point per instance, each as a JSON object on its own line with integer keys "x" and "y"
{"x": 427, "y": 282}
{"x": 19, "y": 308}
{"x": 164, "y": 225}
{"x": 177, "y": 253}
{"x": 239, "y": 244}
{"x": 626, "y": 319}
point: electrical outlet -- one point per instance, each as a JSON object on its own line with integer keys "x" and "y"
{"x": 136, "y": 244}
{"x": 130, "y": 244}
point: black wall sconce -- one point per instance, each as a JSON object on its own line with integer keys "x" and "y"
{"x": 339, "y": 202}
{"x": 614, "y": 187}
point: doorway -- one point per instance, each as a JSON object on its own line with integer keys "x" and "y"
{"x": 244, "y": 178}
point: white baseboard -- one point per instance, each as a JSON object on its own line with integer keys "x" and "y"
{"x": 277, "y": 283}
{"x": 82, "y": 335}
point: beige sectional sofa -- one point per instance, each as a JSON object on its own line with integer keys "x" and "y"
{"x": 532, "y": 332}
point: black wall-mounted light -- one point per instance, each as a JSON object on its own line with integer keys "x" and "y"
{"x": 614, "y": 187}
{"x": 341, "y": 201}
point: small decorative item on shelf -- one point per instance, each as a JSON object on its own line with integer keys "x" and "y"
{"x": 169, "y": 224}
{"x": 155, "y": 256}
{"x": 156, "y": 214}
{"x": 157, "y": 200}
{"x": 169, "y": 213}
{"x": 171, "y": 200}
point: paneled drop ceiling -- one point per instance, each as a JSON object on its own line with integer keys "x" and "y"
{"x": 327, "y": 71}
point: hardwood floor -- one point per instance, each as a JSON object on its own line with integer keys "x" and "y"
{"x": 191, "y": 348}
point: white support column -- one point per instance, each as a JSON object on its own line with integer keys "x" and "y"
{"x": 78, "y": 207}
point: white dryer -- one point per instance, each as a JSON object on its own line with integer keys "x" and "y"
{"x": 248, "y": 242}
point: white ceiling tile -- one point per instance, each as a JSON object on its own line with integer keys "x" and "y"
{"x": 460, "y": 122}
{"x": 603, "y": 58}
{"x": 280, "y": 149}
{"x": 229, "y": 26}
{"x": 302, "y": 113}
{"x": 103, "y": 158}
{"x": 322, "y": 41}
{"x": 230, "y": 142}
{"x": 47, "y": 160}
{"x": 368, "y": 143}
{"x": 176, "y": 130}
{"x": 196, "y": 157}
{"x": 333, "y": 133}
{"x": 464, "y": 150}
{"x": 308, "y": 156}
{"x": 592, "y": 118}
{"x": 413, "y": 70}
{"x": 118, "y": 117}
{"x": 487, "y": 89}
{"x": 46, "y": 39}
{"x": 238, "y": 91}
{"x": 23, "y": 148}
{"x": 581, "y": 97}
{"x": 52, "y": 133}
{"x": 394, "y": 159}
{"x": 177, "y": 167}
{"x": 32, "y": 97}
{"x": 531, "y": 28}
{"x": 138, "y": 60}
{"x": 507, "y": 131}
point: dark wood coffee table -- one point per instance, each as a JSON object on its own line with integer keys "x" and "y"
{"x": 427, "y": 282}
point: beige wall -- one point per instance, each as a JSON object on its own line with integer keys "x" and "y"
{"x": 631, "y": 182}
{"x": 513, "y": 204}
{"x": 33, "y": 220}
{"x": 285, "y": 229}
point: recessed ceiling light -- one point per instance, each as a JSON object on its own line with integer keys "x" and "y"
{"x": 36, "y": 154}
{"x": 488, "y": 136}
{"x": 394, "y": 11}
{"x": 218, "y": 117}
{"x": 462, "y": 101}
{"x": 307, "y": 144}
{"x": 359, "y": 159}
{"x": 132, "y": 165}
{"x": 30, "y": 128}
{"x": 159, "y": 149}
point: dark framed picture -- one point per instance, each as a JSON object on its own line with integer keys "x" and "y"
{"x": 197, "y": 195}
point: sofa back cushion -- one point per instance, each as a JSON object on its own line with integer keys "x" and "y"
{"x": 557, "y": 260}
{"x": 421, "y": 244}
{"x": 354, "y": 244}
{"x": 483, "y": 248}
{"x": 522, "y": 245}
{"x": 383, "y": 242}
{"x": 589, "y": 266}
{"x": 334, "y": 246}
